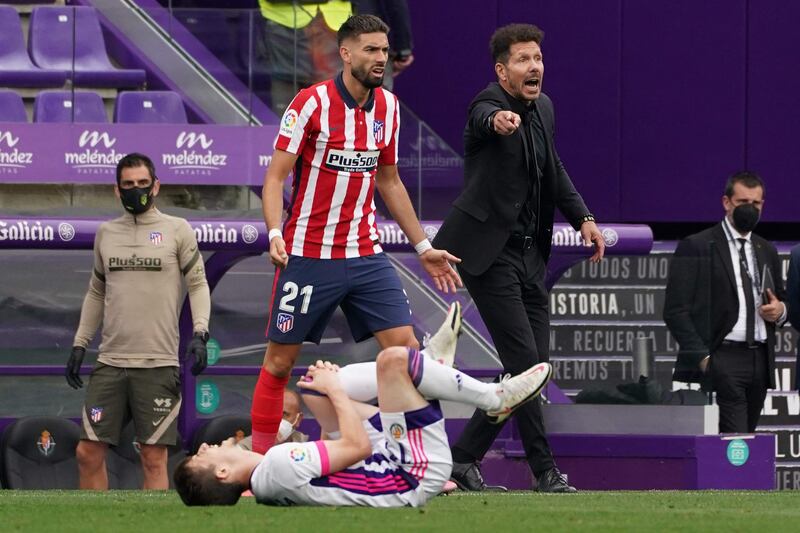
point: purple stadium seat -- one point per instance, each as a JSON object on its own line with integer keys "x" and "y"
{"x": 164, "y": 107}
{"x": 51, "y": 46}
{"x": 11, "y": 107}
{"x": 16, "y": 69}
{"x": 66, "y": 106}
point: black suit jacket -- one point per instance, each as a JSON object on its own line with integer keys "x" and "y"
{"x": 497, "y": 169}
{"x": 702, "y": 305}
{"x": 793, "y": 302}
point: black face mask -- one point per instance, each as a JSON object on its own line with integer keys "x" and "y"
{"x": 745, "y": 217}
{"x": 137, "y": 200}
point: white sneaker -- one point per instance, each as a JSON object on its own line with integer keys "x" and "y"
{"x": 516, "y": 390}
{"x": 441, "y": 346}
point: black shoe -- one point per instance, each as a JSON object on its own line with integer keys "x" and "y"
{"x": 553, "y": 481}
{"x": 468, "y": 477}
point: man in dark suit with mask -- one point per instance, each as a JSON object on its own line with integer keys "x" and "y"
{"x": 723, "y": 300}
{"x": 502, "y": 225}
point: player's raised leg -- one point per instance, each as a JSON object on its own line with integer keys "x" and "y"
{"x": 434, "y": 380}
{"x": 360, "y": 381}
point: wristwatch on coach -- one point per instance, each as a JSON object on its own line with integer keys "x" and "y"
{"x": 202, "y": 334}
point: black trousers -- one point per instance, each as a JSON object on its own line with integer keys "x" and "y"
{"x": 512, "y": 300}
{"x": 739, "y": 376}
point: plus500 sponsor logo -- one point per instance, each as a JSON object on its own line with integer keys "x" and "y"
{"x": 12, "y": 159}
{"x": 349, "y": 161}
{"x": 134, "y": 263}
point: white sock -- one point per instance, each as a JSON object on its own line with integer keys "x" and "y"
{"x": 435, "y": 380}
{"x": 360, "y": 381}
{"x": 427, "y": 354}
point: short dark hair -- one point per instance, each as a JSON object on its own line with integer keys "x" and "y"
{"x": 135, "y": 160}
{"x": 503, "y": 38}
{"x": 199, "y": 486}
{"x": 749, "y": 179}
{"x": 358, "y": 24}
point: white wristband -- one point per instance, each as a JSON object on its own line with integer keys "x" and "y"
{"x": 275, "y": 233}
{"x": 423, "y": 246}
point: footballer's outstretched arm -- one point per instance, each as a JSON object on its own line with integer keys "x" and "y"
{"x": 353, "y": 445}
{"x": 436, "y": 262}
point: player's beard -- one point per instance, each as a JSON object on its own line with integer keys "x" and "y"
{"x": 366, "y": 78}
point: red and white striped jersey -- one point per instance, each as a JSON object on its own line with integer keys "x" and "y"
{"x": 340, "y": 146}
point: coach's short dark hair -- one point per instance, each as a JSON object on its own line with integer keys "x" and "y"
{"x": 749, "y": 179}
{"x": 200, "y": 486}
{"x": 134, "y": 160}
{"x": 358, "y": 24}
{"x": 503, "y": 38}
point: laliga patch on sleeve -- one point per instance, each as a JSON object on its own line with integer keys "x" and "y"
{"x": 299, "y": 455}
{"x": 288, "y": 122}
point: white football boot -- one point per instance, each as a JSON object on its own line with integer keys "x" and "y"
{"x": 515, "y": 391}
{"x": 441, "y": 346}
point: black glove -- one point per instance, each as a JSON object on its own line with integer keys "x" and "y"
{"x": 74, "y": 367}
{"x": 198, "y": 352}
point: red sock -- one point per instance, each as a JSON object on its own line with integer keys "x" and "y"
{"x": 267, "y": 410}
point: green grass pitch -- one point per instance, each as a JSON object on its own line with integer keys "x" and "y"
{"x": 151, "y": 512}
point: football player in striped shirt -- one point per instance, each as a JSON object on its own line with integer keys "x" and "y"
{"x": 339, "y": 139}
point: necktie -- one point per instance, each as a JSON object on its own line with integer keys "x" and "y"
{"x": 749, "y": 300}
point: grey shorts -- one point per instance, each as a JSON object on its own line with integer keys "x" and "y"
{"x": 149, "y": 396}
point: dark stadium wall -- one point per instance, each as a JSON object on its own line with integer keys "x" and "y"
{"x": 656, "y": 102}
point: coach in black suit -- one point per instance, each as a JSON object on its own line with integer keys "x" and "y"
{"x": 720, "y": 308}
{"x": 501, "y": 226}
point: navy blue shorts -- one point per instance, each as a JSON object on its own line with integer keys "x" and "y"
{"x": 307, "y": 292}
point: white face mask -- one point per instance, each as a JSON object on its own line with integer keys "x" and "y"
{"x": 284, "y": 430}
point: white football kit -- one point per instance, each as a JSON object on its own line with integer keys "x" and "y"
{"x": 410, "y": 464}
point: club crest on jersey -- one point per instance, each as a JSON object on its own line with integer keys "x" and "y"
{"x": 288, "y": 122}
{"x": 96, "y": 414}
{"x": 156, "y": 237}
{"x": 46, "y": 443}
{"x": 377, "y": 130}
{"x": 351, "y": 161}
{"x": 284, "y": 322}
{"x": 397, "y": 431}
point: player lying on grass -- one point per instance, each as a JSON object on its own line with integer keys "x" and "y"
{"x": 396, "y": 455}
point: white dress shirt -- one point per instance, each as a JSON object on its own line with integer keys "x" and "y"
{"x": 739, "y": 331}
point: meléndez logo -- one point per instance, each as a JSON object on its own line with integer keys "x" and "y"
{"x": 12, "y": 158}
{"x": 194, "y": 155}
{"x": 95, "y": 155}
